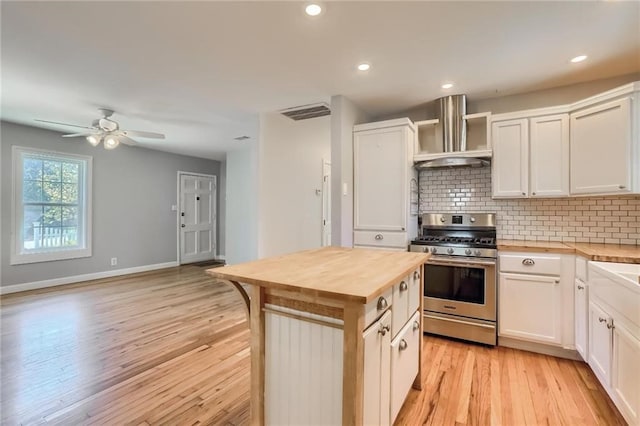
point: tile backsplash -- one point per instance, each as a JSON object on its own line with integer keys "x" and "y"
{"x": 611, "y": 219}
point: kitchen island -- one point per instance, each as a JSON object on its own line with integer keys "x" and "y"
{"x": 335, "y": 334}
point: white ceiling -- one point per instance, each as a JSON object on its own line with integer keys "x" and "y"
{"x": 201, "y": 72}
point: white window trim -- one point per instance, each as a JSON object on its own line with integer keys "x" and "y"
{"x": 18, "y": 258}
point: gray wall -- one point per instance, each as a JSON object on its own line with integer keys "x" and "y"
{"x": 242, "y": 204}
{"x": 133, "y": 190}
{"x": 344, "y": 115}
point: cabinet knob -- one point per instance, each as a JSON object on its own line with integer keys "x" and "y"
{"x": 403, "y": 286}
{"x": 528, "y": 262}
{"x": 600, "y": 319}
{"x": 403, "y": 345}
{"x": 416, "y": 325}
{"x": 378, "y": 237}
{"x": 383, "y": 329}
{"x": 580, "y": 287}
{"x": 533, "y": 193}
{"x": 382, "y": 304}
{"x": 524, "y": 193}
{"x": 416, "y": 275}
{"x": 621, "y": 186}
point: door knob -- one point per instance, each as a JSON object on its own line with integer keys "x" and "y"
{"x": 183, "y": 225}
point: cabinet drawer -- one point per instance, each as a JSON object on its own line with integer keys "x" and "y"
{"x": 400, "y": 311}
{"x": 376, "y": 307}
{"x": 538, "y": 264}
{"x": 404, "y": 362}
{"x": 380, "y": 239}
{"x": 581, "y": 269}
{"x": 415, "y": 291}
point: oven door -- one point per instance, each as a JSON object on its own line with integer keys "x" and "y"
{"x": 460, "y": 286}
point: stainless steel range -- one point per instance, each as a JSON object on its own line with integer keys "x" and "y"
{"x": 460, "y": 277}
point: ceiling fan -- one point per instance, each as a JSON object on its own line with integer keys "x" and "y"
{"x": 107, "y": 131}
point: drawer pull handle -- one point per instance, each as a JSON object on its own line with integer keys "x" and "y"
{"x": 378, "y": 237}
{"x": 403, "y": 286}
{"x": 416, "y": 325}
{"x": 580, "y": 287}
{"x": 611, "y": 326}
{"x": 383, "y": 329}
{"x": 382, "y": 304}
{"x": 600, "y": 319}
{"x": 528, "y": 262}
{"x": 403, "y": 345}
{"x": 621, "y": 186}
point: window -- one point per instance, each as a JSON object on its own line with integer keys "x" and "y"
{"x": 51, "y": 206}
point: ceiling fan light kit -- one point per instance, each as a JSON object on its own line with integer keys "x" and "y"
{"x": 107, "y": 131}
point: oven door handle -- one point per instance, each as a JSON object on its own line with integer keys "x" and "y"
{"x": 474, "y": 264}
{"x": 475, "y": 324}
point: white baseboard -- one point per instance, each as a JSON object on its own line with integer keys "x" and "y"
{"x": 540, "y": 348}
{"x": 36, "y": 285}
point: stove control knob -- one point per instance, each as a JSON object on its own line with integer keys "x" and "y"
{"x": 467, "y": 252}
{"x": 425, "y": 249}
{"x": 434, "y": 250}
{"x": 450, "y": 251}
{"x": 477, "y": 253}
{"x": 442, "y": 219}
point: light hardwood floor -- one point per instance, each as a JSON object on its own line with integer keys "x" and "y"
{"x": 172, "y": 347}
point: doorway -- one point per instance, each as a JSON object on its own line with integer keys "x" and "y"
{"x": 196, "y": 217}
{"x": 326, "y": 203}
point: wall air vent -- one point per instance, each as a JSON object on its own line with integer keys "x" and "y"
{"x": 305, "y": 112}
{"x": 241, "y": 138}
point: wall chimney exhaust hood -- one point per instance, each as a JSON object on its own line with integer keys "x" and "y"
{"x": 451, "y": 135}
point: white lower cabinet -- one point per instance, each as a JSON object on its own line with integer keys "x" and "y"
{"x": 404, "y": 362}
{"x": 377, "y": 352}
{"x": 581, "y": 308}
{"x": 600, "y": 342}
{"x": 530, "y": 307}
{"x": 625, "y": 379}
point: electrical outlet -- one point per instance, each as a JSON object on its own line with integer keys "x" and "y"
{"x": 114, "y": 261}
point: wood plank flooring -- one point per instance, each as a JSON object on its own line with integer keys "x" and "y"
{"x": 171, "y": 347}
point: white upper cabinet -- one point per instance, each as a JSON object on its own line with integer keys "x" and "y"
{"x": 510, "y": 158}
{"x": 549, "y": 156}
{"x": 601, "y": 155}
{"x": 384, "y": 183}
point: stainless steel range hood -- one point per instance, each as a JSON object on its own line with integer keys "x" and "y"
{"x": 452, "y": 131}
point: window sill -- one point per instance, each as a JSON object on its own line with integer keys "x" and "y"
{"x": 21, "y": 259}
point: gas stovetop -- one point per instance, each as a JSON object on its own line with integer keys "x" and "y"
{"x": 464, "y": 234}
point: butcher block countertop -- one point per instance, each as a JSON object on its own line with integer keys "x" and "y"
{"x": 618, "y": 253}
{"x": 345, "y": 274}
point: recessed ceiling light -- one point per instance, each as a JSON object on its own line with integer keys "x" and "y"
{"x": 579, "y": 58}
{"x": 313, "y": 9}
{"x": 364, "y": 66}
{"x": 447, "y": 85}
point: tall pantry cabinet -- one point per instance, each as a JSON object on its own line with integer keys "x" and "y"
{"x": 385, "y": 184}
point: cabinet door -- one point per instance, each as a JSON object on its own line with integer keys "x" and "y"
{"x": 601, "y": 149}
{"x": 626, "y": 374}
{"x": 549, "y": 154}
{"x": 510, "y": 169}
{"x": 400, "y": 311}
{"x": 600, "y": 342}
{"x": 530, "y": 308}
{"x": 377, "y": 375}
{"x": 404, "y": 362}
{"x": 380, "y": 179}
{"x": 581, "y": 306}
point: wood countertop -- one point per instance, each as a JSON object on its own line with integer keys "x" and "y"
{"x": 345, "y": 274}
{"x": 619, "y": 253}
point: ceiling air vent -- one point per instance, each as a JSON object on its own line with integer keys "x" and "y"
{"x": 304, "y": 112}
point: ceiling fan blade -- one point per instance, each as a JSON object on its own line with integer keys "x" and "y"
{"x": 127, "y": 141}
{"x": 64, "y": 124}
{"x": 74, "y": 135}
{"x": 142, "y": 134}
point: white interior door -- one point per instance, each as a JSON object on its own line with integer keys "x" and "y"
{"x": 197, "y": 217}
{"x": 326, "y": 203}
